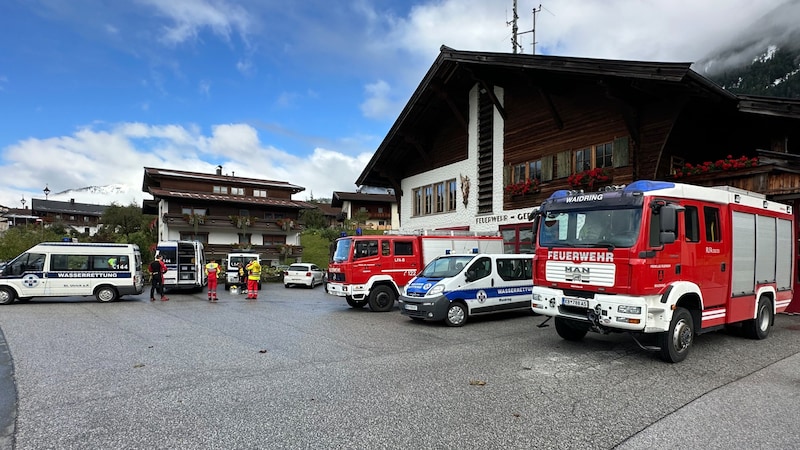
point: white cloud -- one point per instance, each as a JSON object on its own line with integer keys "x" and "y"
{"x": 189, "y": 17}
{"x": 379, "y": 103}
{"x": 117, "y": 155}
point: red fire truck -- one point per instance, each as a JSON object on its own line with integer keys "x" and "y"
{"x": 671, "y": 259}
{"x": 372, "y": 269}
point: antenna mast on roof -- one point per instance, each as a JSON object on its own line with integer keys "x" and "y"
{"x": 515, "y": 30}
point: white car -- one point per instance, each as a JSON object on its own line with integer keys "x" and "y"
{"x": 305, "y": 274}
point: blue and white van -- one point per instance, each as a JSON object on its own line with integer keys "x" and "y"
{"x": 66, "y": 269}
{"x": 454, "y": 287}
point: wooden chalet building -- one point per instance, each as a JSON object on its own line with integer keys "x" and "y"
{"x": 380, "y": 209}
{"x": 82, "y": 217}
{"x": 486, "y": 137}
{"x": 226, "y": 213}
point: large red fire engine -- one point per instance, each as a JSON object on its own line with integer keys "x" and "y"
{"x": 666, "y": 258}
{"x": 372, "y": 269}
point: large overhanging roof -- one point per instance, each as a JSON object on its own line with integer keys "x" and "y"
{"x": 155, "y": 173}
{"x": 454, "y": 66}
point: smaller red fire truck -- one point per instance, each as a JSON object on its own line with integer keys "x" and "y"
{"x": 670, "y": 259}
{"x": 373, "y": 269}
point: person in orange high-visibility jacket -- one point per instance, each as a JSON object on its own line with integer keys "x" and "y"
{"x": 212, "y": 272}
{"x": 254, "y": 275}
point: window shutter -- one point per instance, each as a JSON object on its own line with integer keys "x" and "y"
{"x": 619, "y": 153}
{"x": 506, "y": 175}
{"x": 563, "y": 164}
{"x": 547, "y": 168}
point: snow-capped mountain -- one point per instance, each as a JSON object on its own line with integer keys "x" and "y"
{"x": 121, "y": 194}
{"x": 764, "y": 59}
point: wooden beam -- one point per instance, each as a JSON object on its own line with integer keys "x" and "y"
{"x": 489, "y": 88}
{"x": 442, "y": 95}
{"x": 552, "y": 108}
{"x": 414, "y": 142}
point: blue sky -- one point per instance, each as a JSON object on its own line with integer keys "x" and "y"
{"x": 91, "y": 91}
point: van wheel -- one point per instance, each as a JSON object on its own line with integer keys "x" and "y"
{"x": 355, "y": 303}
{"x": 456, "y": 315}
{"x": 7, "y": 296}
{"x": 571, "y": 330}
{"x": 106, "y": 294}
{"x": 759, "y": 327}
{"x": 381, "y": 299}
{"x": 676, "y": 342}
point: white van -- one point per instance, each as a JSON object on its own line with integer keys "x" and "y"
{"x": 186, "y": 264}
{"x": 454, "y": 287}
{"x": 66, "y": 269}
{"x": 232, "y": 270}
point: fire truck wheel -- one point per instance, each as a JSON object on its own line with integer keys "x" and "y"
{"x": 571, "y": 330}
{"x": 355, "y": 303}
{"x": 6, "y": 296}
{"x": 381, "y": 299}
{"x": 676, "y": 342}
{"x": 456, "y": 315}
{"x": 759, "y": 327}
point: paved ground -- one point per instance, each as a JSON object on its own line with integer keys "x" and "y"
{"x": 299, "y": 369}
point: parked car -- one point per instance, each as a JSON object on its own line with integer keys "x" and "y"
{"x": 305, "y": 274}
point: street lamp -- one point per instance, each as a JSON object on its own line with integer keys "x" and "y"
{"x": 46, "y": 191}
{"x": 23, "y": 202}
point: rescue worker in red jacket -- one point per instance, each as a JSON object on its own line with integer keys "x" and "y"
{"x": 213, "y": 271}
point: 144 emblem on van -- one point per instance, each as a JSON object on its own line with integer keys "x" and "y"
{"x": 30, "y": 281}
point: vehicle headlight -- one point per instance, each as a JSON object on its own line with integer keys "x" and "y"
{"x": 438, "y": 289}
{"x": 537, "y": 298}
{"x": 625, "y": 309}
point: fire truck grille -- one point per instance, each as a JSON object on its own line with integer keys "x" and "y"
{"x": 337, "y": 277}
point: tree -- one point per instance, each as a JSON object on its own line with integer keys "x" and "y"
{"x": 313, "y": 218}
{"x": 124, "y": 220}
{"x": 22, "y": 237}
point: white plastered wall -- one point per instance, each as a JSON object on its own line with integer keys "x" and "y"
{"x": 465, "y": 215}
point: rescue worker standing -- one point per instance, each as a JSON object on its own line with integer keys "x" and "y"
{"x": 157, "y": 270}
{"x": 242, "y": 279}
{"x": 212, "y": 272}
{"x": 254, "y": 275}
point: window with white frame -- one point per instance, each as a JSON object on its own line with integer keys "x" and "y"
{"x": 220, "y": 189}
{"x": 188, "y": 210}
{"x": 259, "y": 193}
{"x": 434, "y": 198}
{"x": 237, "y": 191}
{"x": 452, "y": 189}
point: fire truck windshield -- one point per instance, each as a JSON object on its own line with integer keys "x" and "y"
{"x": 342, "y": 252}
{"x": 590, "y": 228}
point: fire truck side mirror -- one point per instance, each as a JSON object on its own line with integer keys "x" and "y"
{"x": 668, "y": 223}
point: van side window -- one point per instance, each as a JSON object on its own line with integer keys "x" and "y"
{"x": 515, "y": 269}
{"x": 27, "y": 262}
{"x": 480, "y": 269}
{"x": 403, "y": 248}
{"x": 385, "y": 248}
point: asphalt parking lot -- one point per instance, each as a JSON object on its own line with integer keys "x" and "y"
{"x": 300, "y": 369}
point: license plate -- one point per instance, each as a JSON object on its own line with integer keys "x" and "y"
{"x": 576, "y": 302}
{"x": 411, "y": 307}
